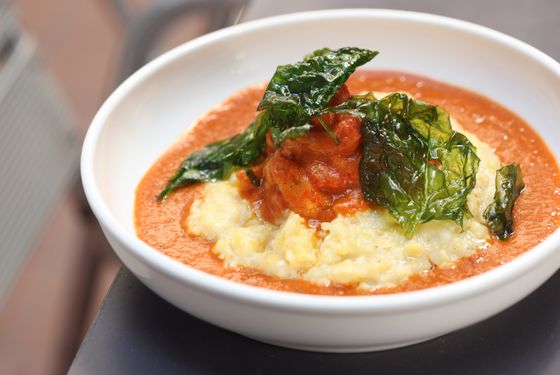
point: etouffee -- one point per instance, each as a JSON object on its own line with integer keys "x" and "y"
{"x": 350, "y": 245}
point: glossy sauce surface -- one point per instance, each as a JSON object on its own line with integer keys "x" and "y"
{"x": 314, "y": 175}
{"x": 537, "y": 211}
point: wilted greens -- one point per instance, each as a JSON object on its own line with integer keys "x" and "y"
{"x": 413, "y": 163}
{"x": 294, "y": 95}
{"x": 499, "y": 214}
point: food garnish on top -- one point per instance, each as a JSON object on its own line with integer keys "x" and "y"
{"x": 315, "y": 149}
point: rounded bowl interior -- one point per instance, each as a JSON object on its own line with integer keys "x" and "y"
{"x": 147, "y": 113}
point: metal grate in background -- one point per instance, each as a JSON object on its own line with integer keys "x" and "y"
{"x": 39, "y": 151}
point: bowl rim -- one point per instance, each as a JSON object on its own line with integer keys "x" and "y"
{"x": 280, "y": 300}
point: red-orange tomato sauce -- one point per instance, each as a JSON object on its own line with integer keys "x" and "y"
{"x": 160, "y": 223}
{"x": 314, "y": 175}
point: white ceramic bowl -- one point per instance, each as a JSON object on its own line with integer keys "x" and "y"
{"x": 143, "y": 117}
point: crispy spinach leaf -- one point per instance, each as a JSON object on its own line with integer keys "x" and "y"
{"x": 216, "y": 161}
{"x": 252, "y": 177}
{"x": 299, "y": 91}
{"x": 414, "y": 164}
{"x": 499, "y": 214}
{"x": 294, "y": 95}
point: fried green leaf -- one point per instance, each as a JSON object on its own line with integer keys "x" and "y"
{"x": 218, "y": 160}
{"x": 499, "y": 214}
{"x": 329, "y": 131}
{"x": 299, "y": 91}
{"x": 252, "y": 177}
{"x": 414, "y": 164}
{"x": 294, "y": 95}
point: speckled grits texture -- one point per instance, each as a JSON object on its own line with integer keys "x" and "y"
{"x": 367, "y": 249}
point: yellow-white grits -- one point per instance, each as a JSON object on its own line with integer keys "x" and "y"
{"x": 367, "y": 249}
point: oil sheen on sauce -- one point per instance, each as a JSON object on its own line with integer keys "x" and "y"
{"x": 537, "y": 211}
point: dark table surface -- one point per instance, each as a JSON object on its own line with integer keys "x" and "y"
{"x": 136, "y": 332}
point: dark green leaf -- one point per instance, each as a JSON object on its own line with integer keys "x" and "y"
{"x": 294, "y": 95}
{"x": 329, "y": 131}
{"x": 499, "y": 214}
{"x": 218, "y": 160}
{"x": 253, "y": 177}
{"x": 319, "y": 52}
{"x": 413, "y": 163}
{"x": 297, "y": 92}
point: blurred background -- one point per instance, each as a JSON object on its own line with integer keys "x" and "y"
{"x": 59, "y": 59}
